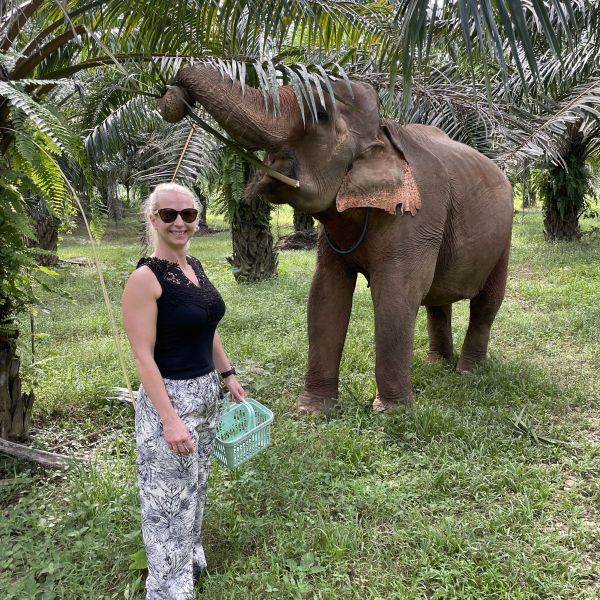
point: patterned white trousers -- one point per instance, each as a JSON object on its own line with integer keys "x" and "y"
{"x": 173, "y": 486}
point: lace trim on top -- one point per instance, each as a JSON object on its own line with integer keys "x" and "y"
{"x": 177, "y": 288}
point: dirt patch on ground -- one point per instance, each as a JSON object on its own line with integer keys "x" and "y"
{"x": 300, "y": 240}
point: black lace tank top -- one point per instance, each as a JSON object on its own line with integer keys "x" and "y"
{"x": 187, "y": 318}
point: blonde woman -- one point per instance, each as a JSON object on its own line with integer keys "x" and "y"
{"x": 170, "y": 313}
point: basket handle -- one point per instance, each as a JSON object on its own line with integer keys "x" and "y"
{"x": 249, "y": 409}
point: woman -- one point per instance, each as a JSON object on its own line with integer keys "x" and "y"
{"x": 170, "y": 313}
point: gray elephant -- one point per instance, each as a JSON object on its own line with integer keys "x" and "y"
{"x": 433, "y": 218}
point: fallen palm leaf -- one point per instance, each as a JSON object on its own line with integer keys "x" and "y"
{"x": 522, "y": 423}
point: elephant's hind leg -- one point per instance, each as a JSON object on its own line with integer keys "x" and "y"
{"x": 439, "y": 328}
{"x": 483, "y": 309}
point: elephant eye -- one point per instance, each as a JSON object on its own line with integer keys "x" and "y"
{"x": 322, "y": 116}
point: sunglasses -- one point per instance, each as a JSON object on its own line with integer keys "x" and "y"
{"x": 168, "y": 215}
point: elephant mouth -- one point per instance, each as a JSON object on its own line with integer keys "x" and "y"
{"x": 283, "y": 162}
{"x": 263, "y": 184}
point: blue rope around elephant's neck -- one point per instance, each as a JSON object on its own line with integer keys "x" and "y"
{"x": 337, "y": 249}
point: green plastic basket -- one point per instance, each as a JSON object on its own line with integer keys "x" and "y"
{"x": 244, "y": 430}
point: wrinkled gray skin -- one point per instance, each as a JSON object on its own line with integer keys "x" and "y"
{"x": 455, "y": 247}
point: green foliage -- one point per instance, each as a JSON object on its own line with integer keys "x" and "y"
{"x": 228, "y": 186}
{"x": 40, "y": 140}
{"x": 567, "y": 187}
{"x": 36, "y": 156}
{"x": 15, "y": 258}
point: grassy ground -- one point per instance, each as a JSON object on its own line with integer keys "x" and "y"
{"x": 453, "y": 499}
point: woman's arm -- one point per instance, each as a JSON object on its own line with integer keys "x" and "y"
{"x": 139, "y": 318}
{"x": 222, "y": 364}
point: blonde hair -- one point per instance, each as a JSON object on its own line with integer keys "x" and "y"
{"x": 151, "y": 204}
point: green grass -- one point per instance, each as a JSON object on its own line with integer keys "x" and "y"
{"x": 449, "y": 500}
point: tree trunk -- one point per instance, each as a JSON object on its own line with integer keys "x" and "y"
{"x": 254, "y": 258}
{"x": 304, "y": 236}
{"x": 565, "y": 188}
{"x": 302, "y": 221}
{"x": 561, "y": 227}
{"x": 203, "y": 204}
{"x": 114, "y": 203}
{"x": 529, "y": 196}
{"x": 15, "y": 406}
{"x": 46, "y": 232}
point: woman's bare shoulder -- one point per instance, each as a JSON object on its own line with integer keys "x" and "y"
{"x": 143, "y": 281}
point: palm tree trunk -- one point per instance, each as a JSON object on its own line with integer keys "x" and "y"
{"x": 304, "y": 235}
{"x": 15, "y": 406}
{"x": 559, "y": 226}
{"x": 565, "y": 188}
{"x": 254, "y": 258}
{"x": 46, "y": 232}
{"x": 203, "y": 204}
{"x": 302, "y": 221}
{"x": 114, "y": 203}
{"x": 529, "y": 198}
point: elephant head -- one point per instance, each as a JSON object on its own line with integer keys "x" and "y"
{"x": 347, "y": 158}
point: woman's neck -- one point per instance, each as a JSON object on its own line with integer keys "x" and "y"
{"x": 172, "y": 255}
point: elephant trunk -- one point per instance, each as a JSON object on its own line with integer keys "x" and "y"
{"x": 242, "y": 113}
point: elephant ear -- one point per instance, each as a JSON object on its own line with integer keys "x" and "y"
{"x": 380, "y": 177}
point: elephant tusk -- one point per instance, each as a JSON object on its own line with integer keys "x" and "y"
{"x": 277, "y": 175}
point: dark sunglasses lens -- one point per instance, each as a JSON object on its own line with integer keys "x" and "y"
{"x": 168, "y": 215}
{"x": 189, "y": 214}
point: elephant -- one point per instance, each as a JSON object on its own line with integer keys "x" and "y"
{"x": 425, "y": 219}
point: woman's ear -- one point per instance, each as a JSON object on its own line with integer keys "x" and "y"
{"x": 380, "y": 178}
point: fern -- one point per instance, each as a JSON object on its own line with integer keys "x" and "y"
{"x": 43, "y": 118}
{"x": 15, "y": 258}
{"x": 36, "y": 155}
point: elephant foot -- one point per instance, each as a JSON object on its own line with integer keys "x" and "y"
{"x": 468, "y": 365}
{"x": 308, "y": 404}
{"x": 389, "y": 407}
{"x": 434, "y": 356}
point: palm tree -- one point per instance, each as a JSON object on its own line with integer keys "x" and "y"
{"x": 563, "y": 110}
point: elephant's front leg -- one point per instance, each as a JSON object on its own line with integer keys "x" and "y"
{"x": 396, "y": 308}
{"x": 329, "y": 307}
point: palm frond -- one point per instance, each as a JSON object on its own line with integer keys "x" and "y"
{"x": 306, "y": 79}
{"x": 227, "y": 190}
{"x": 117, "y": 130}
{"x": 446, "y": 100}
{"x": 41, "y": 168}
{"x": 545, "y": 134}
{"x": 162, "y": 155}
{"x": 43, "y": 118}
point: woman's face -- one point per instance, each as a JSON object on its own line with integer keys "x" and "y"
{"x": 178, "y": 233}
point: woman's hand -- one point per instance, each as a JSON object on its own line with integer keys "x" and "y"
{"x": 177, "y": 435}
{"x": 235, "y": 389}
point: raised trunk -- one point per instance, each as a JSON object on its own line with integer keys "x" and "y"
{"x": 243, "y": 113}
{"x": 15, "y": 406}
{"x": 46, "y": 232}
